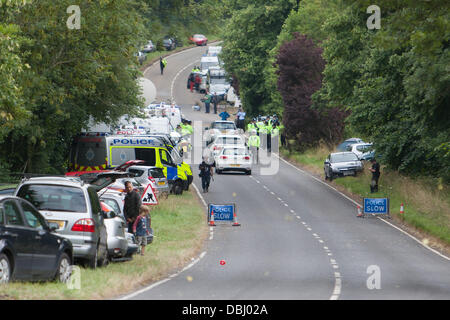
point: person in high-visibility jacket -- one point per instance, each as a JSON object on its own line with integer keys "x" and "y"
{"x": 268, "y": 129}
{"x": 275, "y": 135}
{"x": 254, "y": 144}
{"x": 189, "y": 127}
{"x": 251, "y": 126}
{"x": 184, "y": 129}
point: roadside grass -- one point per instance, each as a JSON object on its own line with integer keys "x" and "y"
{"x": 180, "y": 230}
{"x": 426, "y": 201}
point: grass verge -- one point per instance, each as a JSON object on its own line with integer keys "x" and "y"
{"x": 426, "y": 201}
{"x": 180, "y": 231}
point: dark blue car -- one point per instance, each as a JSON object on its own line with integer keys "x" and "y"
{"x": 28, "y": 248}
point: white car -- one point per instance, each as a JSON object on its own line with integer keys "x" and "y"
{"x": 363, "y": 150}
{"x": 220, "y": 127}
{"x": 224, "y": 140}
{"x": 234, "y": 158}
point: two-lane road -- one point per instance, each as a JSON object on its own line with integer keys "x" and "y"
{"x": 298, "y": 239}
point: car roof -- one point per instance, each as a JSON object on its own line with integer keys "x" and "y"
{"x": 228, "y": 135}
{"x": 144, "y": 167}
{"x": 362, "y": 144}
{"x": 345, "y": 152}
{"x": 67, "y": 181}
{"x": 223, "y": 121}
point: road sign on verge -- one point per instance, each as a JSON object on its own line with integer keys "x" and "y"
{"x": 221, "y": 212}
{"x": 149, "y": 196}
{"x": 376, "y": 206}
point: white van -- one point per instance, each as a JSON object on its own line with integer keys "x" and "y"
{"x": 207, "y": 62}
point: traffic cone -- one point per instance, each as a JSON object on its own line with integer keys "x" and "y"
{"x": 359, "y": 212}
{"x": 211, "y": 219}
{"x": 235, "y": 222}
{"x": 402, "y": 209}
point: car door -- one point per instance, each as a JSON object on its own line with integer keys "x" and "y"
{"x": 21, "y": 239}
{"x": 45, "y": 244}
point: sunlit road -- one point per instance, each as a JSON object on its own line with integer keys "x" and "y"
{"x": 298, "y": 239}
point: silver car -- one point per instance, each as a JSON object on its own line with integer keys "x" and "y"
{"x": 116, "y": 226}
{"x": 145, "y": 175}
{"x": 75, "y": 207}
{"x": 342, "y": 164}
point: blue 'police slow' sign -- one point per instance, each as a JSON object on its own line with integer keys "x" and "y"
{"x": 376, "y": 205}
{"x": 222, "y": 212}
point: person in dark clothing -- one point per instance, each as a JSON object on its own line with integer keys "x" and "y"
{"x": 206, "y": 173}
{"x": 131, "y": 205}
{"x": 375, "y": 175}
{"x": 215, "y": 100}
{"x": 197, "y": 81}
{"x": 162, "y": 64}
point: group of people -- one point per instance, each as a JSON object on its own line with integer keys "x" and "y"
{"x": 268, "y": 126}
{"x": 137, "y": 216}
{"x": 194, "y": 80}
{"x": 185, "y": 127}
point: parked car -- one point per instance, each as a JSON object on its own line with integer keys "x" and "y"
{"x": 29, "y": 249}
{"x": 341, "y": 164}
{"x": 154, "y": 175}
{"x": 149, "y": 47}
{"x": 199, "y": 39}
{"x": 234, "y": 158}
{"x": 116, "y": 227}
{"x": 220, "y": 141}
{"x": 343, "y": 146}
{"x": 169, "y": 43}
{"x": 364, "y": 151}
{"x": 140, "y": 56}
{"x": 116, "y": 201}
{"x": 75, "y": 207}
{"x": 220, "y": 127}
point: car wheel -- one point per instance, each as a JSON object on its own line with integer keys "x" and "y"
{"x": 249, "y": 172}
{"x": 331, "y": 176}
{"x": 218, "y": 171}
{"x": 64, "y": 270}
{"x": 93, "y": 261}
{"x": 5, "y": 269}
{"x": 178, "y": 188}
{"x": 105, "y": 257}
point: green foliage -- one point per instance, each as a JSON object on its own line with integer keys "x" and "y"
{"x": 250, "y": 33}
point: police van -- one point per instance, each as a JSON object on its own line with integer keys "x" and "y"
{"x": 97, "y": 151}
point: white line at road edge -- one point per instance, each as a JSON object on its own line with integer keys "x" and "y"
{"x": 175, "y": 274}
{"x": 165, "y": 280}
{"x": 353, "y": 201}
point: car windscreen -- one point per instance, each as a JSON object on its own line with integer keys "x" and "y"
{"x": 120, "y": 155}
{"x": 229, "y": 140}
{"x": 235, "y": 152}
{"x": 343, "y": 157}
{"x": 54, "y": 197}
{"x": 218, "y": 81}
{"x": 223, "y": 126}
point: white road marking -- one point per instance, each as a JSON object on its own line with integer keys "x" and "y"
{"x": 127, "y": 297}
{"x": 356, "y": 203}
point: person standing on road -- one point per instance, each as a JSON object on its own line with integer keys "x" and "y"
{"x": 375, "y": 175}
{"x": 215, "y": 100}
{"x": 254, "y": 143}
{"x": 131, "y": 205}
{"x": 206, "y": 173}
{"x": 240, "y": 119}
{"x": 162, "y": 64}
{"x": 224, "y": 115}
{"x": 207, "y": 100}
{"x": 197, "y": 81}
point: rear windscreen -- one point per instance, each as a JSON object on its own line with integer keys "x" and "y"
{"x": 156, "y": 173}
{"x": 54, "y": 198}
{"x": 121, "y": 155}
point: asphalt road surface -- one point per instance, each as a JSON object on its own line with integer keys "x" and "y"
{"x": 298, "y": 239}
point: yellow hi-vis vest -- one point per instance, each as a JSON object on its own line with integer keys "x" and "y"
{"x": 254, "y": 141}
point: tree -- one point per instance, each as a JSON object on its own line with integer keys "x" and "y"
{"x": 300, "y": 65}
{"x": 250, "y": 34}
